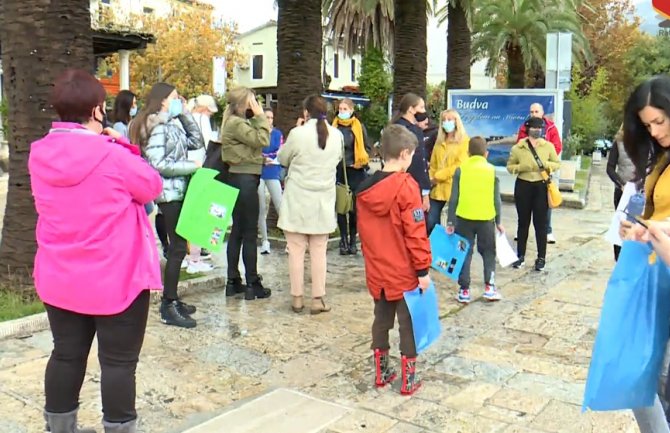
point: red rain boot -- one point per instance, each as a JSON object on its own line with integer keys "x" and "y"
{"x": 410, "y": 380}
{"x": 383, "y": 373}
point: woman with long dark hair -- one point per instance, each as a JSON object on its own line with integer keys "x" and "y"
{"x": 125, "y": 108}
{"x": 646, "y": 138}
{"x": 94, "y": 265}
{"x": 166, "y": 131}
{"x": 244, "y": 133}
{"x": 307, "y": 215}
{"x": 356, "y": 158}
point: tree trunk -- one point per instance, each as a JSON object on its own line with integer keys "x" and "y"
{"x": 458, "y": 49}
{"x": 299, "y": 47}
{"x": 410, "y": 57}
{"x": 536, "y": 77}
{"x": 517, "y": 69}
{"x": 39, "y": 39}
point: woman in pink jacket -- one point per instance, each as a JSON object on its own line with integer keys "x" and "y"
{"x": 96, "y": 260}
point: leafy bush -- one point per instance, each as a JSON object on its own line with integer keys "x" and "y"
{"x": 589, "y": 109}
{"x": 375, "y": 82}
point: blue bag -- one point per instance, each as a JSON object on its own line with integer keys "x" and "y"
{"x": 449, "y": 252}
{"x": 423, "y": 309}
{"x": 633, "y": 332}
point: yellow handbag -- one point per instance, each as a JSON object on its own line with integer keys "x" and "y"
{"x": 554, "y": 197}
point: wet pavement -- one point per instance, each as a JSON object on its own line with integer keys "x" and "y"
{"x": 517, "y": 366}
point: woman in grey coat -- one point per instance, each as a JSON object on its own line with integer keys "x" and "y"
{"x": 166, "y": 131}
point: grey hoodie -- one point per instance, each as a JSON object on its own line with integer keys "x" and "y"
{"x": 167, "y": 151}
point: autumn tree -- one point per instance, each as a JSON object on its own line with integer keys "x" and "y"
{"x": 182, "y": 55}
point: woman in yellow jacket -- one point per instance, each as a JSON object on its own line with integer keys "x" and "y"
{"x": 451, "y": 149}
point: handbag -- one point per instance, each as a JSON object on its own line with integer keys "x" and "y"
{"x": 344, "y": 198}
{"x": 633, "y": 331}
{"x": 554, "y": 196}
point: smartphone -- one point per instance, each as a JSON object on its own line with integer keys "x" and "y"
{"x": 637, "y": 219}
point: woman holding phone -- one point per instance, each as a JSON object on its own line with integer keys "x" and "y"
{"x": 245, "y": 131}
{"x": 646, "y": 137}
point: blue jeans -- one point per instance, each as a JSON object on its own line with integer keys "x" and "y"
{"x": 434, "y": 213}
{"x": 549, "y": 221}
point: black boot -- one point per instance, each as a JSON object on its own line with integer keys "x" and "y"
{"x": 234, "y": 287}
{"x": 353, "y": 249}
{"x": 255, "y": 290}
{"x": 172, "y": 314}
{"x": 344, "y": 247}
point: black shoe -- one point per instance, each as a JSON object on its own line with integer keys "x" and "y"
{"x": 186, "y": 308}
{"x": 539, "y": 264}
{"x": 344, "y": 247}
{"x": 171, "y": 314}
{"x": 204, "y": 253}
{"x": 518, "y": 263}
{"x": 234, "y": 287}
{"x": 255, "y": 290}
{"x": 353, "y": 249}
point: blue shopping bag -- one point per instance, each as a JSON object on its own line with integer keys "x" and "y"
{"x": 423, "y": 309}
{"x": 633, "y": 332}
{"x": 448, "y": 251}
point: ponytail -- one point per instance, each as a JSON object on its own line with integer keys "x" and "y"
{"x": 316, "y": 106}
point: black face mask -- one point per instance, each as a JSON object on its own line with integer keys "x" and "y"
{"x": 420, "y": 117}
{"x": 249, "y": 113}
{"x": 103, "y": 122}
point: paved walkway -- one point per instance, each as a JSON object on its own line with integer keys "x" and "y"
{"x": 517, "y": 366}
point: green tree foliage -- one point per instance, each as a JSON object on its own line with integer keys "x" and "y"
{"x": 376, "y": 83}
{"x": 589, "y": 120}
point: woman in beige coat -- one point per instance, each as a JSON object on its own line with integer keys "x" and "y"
{"x": 307, "y": 212}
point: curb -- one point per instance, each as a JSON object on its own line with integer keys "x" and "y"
{"x": 28, "y": 325}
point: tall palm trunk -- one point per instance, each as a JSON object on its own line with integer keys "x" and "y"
{"x": 535, "y": 76}
{"x": 39, "y": 40}
{"x": 517, "y": 68}
{"x": 299, "y": 46}
{"x": 410, "y": 57}
{"x": 458, "y": 48}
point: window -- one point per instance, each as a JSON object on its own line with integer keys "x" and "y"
{"x": 353, "y": 70}
{"x": 257, "y": 68}
{"x": 336, "y": 66}
{"x": 148, "y": 11}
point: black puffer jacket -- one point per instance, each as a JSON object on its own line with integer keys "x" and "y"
{"x": 349, "y": 143}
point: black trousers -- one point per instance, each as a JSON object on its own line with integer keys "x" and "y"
{"x": 385, "y": 313}
{"x": 244, "y": 232}
{"x": 617, "y": 198}
{"x": 531, "y": 203}
{"x": 176, "y": 249}
{"x": 355, "y": 176}
{"x": 120, "y": 339}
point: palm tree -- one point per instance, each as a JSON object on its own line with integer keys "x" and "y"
{"x": 459, "y": 54}
{"x": 299, "y": 47}
{"x": 60, "y": 38}
{"x": 397, "y": 26}
{"x": 516, "y": 31}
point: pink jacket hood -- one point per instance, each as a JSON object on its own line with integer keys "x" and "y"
{"x": 96, "y": 251}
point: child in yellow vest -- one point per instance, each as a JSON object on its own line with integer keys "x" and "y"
{"x": 474, "y": 213}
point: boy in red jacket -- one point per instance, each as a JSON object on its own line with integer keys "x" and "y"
{"x": 396, "y": 250}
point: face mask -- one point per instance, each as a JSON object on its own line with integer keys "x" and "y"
{"x": 420, "y": 117}
{"x": 344, "y": 116}
{"x": 133, "y": 112}
{"x": 449, "y": 125}
{"x": 175, "y": 108}
{"x": 249, "y": 113}
{"x": 534, "y": 133}
{"x": 103, "y": 121}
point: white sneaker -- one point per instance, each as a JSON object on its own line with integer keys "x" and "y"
{"x": 551, "y": 239}
{"x": 198, "y": 268}
{"x": 265, "y": 247}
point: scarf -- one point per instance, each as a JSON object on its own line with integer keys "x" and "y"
{"x": 361, "y": 157}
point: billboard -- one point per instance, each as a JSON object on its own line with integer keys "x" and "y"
{"x": 497, "y": 115}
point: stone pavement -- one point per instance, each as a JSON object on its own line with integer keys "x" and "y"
{"x": 517, "y": 366}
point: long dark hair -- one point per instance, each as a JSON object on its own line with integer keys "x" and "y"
{"x": 640, "y": 146}
{"x": 407, "y": 101}
{"x": 138, "y": 129}
{"x": 122, "y": 105}
{"x": 317, "y": 108}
